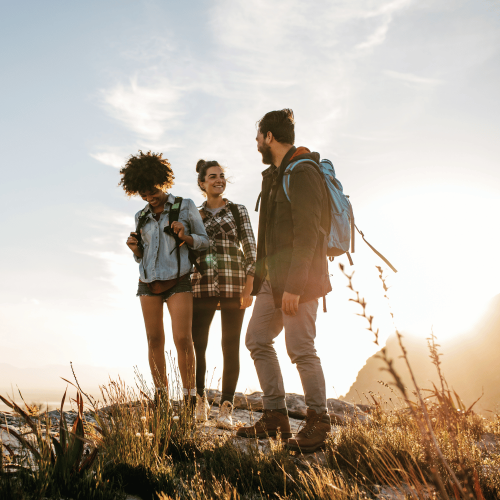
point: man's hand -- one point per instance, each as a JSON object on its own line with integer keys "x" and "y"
{"x": 290, "y": 303}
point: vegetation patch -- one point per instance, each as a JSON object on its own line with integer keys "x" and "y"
{"x": 428, "y": 446}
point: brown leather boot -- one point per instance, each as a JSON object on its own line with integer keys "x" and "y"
{"x": 314, "y": 433}
{"x": 269, "y": 425}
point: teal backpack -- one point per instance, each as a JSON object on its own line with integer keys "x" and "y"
{"x": 340, "y": 234}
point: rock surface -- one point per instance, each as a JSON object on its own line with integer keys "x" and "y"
{"x": 341, "y": 412}
{"x": 240, "y": 417}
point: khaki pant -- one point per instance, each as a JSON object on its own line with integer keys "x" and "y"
{"x": 300, "y": 331}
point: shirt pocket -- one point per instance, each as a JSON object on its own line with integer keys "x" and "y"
{"x": 228, "y": 231}
{"x": 147, "y": 233}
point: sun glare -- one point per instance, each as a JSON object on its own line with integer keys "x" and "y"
{"x": 440, "y": 283}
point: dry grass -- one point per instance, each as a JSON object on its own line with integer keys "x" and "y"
{"x": 425, "y": 447}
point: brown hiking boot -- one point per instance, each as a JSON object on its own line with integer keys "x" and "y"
{"x": 313, "y": 435}
{"x": 269, "y": 425}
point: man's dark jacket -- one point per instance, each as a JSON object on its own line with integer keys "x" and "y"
{"x": 291, "y": 233}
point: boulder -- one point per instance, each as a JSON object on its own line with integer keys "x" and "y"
{"x": 341, "y": 412}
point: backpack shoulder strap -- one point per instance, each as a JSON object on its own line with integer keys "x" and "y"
{"x": 174, "y": 217}
{"x": 237, "y": 218}
{"x": 288, "y": 171}
{"x": 175, "y": 210}
{"x": 140, "y": 224}
{"x": 258, "y": 202}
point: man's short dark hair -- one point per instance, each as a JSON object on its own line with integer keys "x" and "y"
{"x": 280, "y": 123}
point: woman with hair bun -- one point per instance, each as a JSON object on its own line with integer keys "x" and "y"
{"x": 224, "y": 282}
{"x": 166, "y": 231}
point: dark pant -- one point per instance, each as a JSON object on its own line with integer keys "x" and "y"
{"x": 232, "y": 319}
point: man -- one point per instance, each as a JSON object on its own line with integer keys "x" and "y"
{"x": 291, "y": 275}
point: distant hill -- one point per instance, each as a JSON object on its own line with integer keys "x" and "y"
{"x": 470, "y": 364}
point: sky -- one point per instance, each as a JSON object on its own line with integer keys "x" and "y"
{"x": 401, "y": 95}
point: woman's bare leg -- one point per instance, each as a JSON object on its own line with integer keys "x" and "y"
{"x": 152, "y": 310}
{"x": 180, "y": 307}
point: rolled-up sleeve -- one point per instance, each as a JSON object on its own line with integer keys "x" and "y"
{"x": 198, "y": 231}
{"x": 247, "y": 241}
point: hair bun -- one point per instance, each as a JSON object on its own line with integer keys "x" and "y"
{"x": 200, "y": 165}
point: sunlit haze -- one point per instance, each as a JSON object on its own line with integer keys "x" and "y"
{"x": 401, "y": 95}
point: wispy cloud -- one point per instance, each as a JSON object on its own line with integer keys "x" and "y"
{"x": 262, "y": 58}
{"x": 377, "y": 37}
{"x": 414, "y": 79}
{"x": 147, "y": 109}
{"x": 385, "y": 12}
{"x": 108, "y": 158}
{"x": 295, "y": 54}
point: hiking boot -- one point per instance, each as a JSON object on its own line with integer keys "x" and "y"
{"x": 269, "y": 425}
{"x": 225, "y": 416}
{"x": 202, "y": 408}
{"x": 314, "y": 433}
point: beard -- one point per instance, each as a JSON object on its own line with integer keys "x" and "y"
{"x": 267, "y": 157}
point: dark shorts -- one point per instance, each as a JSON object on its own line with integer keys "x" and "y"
{"x": 183, "y": 286}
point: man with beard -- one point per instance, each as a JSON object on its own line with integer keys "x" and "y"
{"x": 291, "y": 275}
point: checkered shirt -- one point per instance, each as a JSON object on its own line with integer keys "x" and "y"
{"x": 224, "y": 265}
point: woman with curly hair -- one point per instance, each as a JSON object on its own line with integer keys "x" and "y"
{"x": 224, "y": 282}
{"x": 162, "y": 248}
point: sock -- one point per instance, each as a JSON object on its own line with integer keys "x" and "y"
{"x": 201, "y": 391}
{"x": 227, "y": 397}
{"x": 282, "y": 410}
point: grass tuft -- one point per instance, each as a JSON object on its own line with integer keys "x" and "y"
{"x": 422, "y": 444}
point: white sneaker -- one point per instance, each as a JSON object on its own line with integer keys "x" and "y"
{"x": 225, "y": 418}
{"x": 202, "y": 408}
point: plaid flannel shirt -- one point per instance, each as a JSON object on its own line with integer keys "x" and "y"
{"x": 224, "y": 266}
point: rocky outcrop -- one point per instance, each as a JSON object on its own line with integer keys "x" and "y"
{"x": 341, "y": 412}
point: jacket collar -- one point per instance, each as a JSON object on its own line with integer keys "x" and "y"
{"x": 286, "y": 160}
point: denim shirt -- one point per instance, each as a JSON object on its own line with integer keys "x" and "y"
{"x": 159, "y": 260}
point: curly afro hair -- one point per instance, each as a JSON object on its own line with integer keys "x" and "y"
{"x": 145, "y": 172}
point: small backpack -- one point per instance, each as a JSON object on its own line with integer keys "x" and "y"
{"x": 340, "y": 234}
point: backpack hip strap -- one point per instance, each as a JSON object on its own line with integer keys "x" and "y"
{"x": 376, "y": 251}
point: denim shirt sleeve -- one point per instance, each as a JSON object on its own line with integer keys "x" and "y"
{"x": 198, "y": 231}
